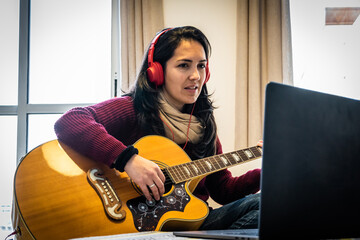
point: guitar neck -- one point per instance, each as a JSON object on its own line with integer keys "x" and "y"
{"x": 190, "y": 170}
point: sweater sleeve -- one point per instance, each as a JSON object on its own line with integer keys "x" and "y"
{"x": 101, "y": 131}
{"x": 225, "y": 188}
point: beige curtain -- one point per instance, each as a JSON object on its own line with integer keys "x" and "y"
{"x": 140, "y": 21}
{"x": 263, "y": 55}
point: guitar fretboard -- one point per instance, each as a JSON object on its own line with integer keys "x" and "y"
{"x": 190, "y": 170}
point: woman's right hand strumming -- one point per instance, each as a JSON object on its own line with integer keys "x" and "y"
{"x": 147, "y": 175}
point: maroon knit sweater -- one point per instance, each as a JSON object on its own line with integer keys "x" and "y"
{"x": 104, "y": 130}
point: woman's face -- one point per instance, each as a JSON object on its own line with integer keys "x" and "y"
{"x": 185, "y": 74}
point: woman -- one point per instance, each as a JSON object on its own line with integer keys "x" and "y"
{"x": 169, "y": 98}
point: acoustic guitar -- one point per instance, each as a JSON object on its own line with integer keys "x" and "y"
{"x": 60, "y": 194}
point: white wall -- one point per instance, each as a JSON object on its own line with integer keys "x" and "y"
{"x": 325, "y": 58}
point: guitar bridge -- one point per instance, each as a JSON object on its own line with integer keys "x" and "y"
{"x": 108, "y": 196}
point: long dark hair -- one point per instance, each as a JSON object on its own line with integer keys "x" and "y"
{"x": 146, "y": 93}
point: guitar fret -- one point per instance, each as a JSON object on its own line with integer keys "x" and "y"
{"x": 243, "y": 155}
{"x": 186, "y": 170}
{"x": 248, "y": 153}
{"x": 252, "y": 152}
{"x": 220, "y": 163}
{"x": 230, "y": 158}
{"x": 196, "y": 170}
{"x": 228, "y": 161}
{"x": 179, "y": 174}
{"x": 255, "y": 151}
{"x": 201, "y": 168}
{"x": 224, "y": 160}
{"x": 173, "y": 174}
{"x": 207, "y": 166}
{"x": 213, "y": 161}
{"x": 182, "y": 174}
{"x": 190, "y": 169}
{"x": 236, "y": 157}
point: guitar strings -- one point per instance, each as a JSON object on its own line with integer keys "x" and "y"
{"x": 216, "y": 162}
{"x": 168, "y": 180}
{"x": 202, "y": 166}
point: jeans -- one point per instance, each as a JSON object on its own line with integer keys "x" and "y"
{"x": 242, "y": 213}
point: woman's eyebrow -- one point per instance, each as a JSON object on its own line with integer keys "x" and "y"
{"x": 189, "y": 60}
{"x": 184, "y": 60}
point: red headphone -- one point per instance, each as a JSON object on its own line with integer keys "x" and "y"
{"x": 155, "y": 71}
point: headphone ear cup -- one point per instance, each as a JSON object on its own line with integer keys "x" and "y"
{"x": 155, "y": 74}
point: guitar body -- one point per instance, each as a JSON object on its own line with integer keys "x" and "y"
{"x": 53, "y": 198}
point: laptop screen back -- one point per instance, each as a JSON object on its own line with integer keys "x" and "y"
{"x": 311, "y": 165}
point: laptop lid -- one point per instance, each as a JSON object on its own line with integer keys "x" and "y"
{"x": 244, "y": 234}
{"x": 311, "y": 165}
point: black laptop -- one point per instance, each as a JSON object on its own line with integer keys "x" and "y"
{"x": 310, "y": 179}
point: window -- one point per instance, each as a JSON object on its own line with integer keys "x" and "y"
{"x": 7, "y": 168}
{"x": 325, "y": 52}
{"x": 9, "y": 42}
{"x": 63, "y": 56}
{"x": 70, "y": 47}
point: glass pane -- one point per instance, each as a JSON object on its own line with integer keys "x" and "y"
{"x": 8, "y": 129}
{"x": 9, "y": 46}
{"x": 70, "y": 45}
{"x": 41, "y": 129}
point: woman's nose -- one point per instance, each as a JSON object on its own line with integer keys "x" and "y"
{"x": 195, "y": 74}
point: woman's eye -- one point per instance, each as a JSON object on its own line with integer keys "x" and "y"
{"x": 183, "y": 65}
{"x": 202, "y": 65}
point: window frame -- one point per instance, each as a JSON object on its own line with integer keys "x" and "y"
{"x": 23, "y": 109}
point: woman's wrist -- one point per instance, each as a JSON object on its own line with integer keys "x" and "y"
{"x": 124, "y": 157}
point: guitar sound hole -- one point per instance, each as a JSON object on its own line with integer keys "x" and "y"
{"x": 168, "y": 182}
{"x": 168, "y": 186}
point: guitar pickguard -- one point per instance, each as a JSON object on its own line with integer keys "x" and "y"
{"x": 146, "y": 214}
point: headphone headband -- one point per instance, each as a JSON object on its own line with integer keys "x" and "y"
{"x": 152, "y": 46}
{"x": 155, "y": 72}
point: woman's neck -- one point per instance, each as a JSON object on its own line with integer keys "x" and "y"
{"x": 165, "y": 97}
